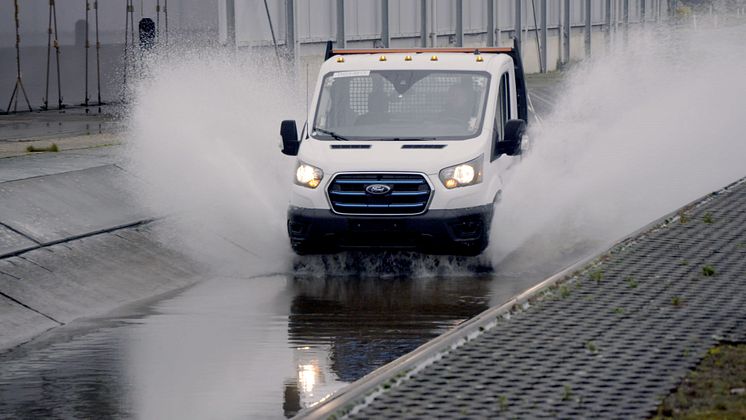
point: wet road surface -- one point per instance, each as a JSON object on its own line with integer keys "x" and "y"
{"x": 244, "y": 347}
{"x": 255, "y": 347}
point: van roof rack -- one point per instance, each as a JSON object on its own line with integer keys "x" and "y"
{"x": 330, "y": 51}
{"x": 466, "y": 50}
{"x": 513, "y": 52}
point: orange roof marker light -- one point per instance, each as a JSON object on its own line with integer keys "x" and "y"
{"x": 434, "y": 58}
{"x": 408, "y": 58}
{"x": 382, "y": 58}
{"x": 411, "y": 51}
{"x": 340, "y": 59}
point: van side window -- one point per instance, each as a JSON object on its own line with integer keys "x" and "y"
{"x": 502, "y": 113}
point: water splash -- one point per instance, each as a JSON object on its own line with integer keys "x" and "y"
{"x": 203, "y": 135}
{"x": 637, "y": 133}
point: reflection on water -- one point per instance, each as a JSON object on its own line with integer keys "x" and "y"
{"x": 228, "y": 347}
{"x": 343, "y": 328}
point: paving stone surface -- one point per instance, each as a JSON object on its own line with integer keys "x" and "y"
{"x": 609, "y": 342}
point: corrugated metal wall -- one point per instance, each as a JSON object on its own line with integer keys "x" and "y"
{"x": 316, "y": 19}
{"x": 206, "y": 22}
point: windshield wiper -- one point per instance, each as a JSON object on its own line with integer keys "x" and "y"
{"x": 334, "y": 135}
{"x": 409, "y": 138}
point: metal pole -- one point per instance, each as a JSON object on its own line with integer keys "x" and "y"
{"x": 129, "y": 26}
{"x": 559, "y": 34}
{"x": 491, "y": 23}
{"x": 157, "y": 20}
{"x": 566, "y": 32}
{"x": 165, "y": 19}
{"x": 460, "y": 23}
{"x": 434, "y": 24}
{"x": 625, "y": 18}
{"x": 588, "y": 28}
{"x": 341, "y": 41}
{"x": 657, "y": 11}
{"x": 290, "y": 29}
{"x": 45, "y": 105}
{"x": 98, "y": 57}
{"x": 230, "y": 22}
{"x": 643, "y": 5}
{"x": 87, "y": 46}
{"x": 608, "y": 22}
{"x": 660, "y": 11}
{"x": 423, "y": 23}
{"x": 132, "y": 29}
{"x": 60, "y": 105}
{"x": 543, "y": 44}
{"x": 616, "y": 16}
{"x": 385, "y": 32}
{"x": 19, "y": 83}
{"x": 272, "y": 31}
{"x": 517, "y": 25}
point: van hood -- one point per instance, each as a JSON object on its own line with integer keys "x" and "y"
{"x": 395, "y": 156}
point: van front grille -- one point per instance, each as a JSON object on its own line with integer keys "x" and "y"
{"x": 379, "y": 194}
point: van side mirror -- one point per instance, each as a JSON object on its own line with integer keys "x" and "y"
{"x": 290, "y": 141}
{"x": 514, "y": 132}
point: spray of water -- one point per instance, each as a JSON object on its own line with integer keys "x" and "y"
{"x": 203, "y": 135}
{"x": 636, "y": 134}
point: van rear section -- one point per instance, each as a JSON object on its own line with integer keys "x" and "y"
{"x": 404, "y": 149}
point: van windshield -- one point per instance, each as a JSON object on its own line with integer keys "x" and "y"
{"x": 401, "y": 105}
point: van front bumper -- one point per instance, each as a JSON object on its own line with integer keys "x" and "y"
{"x": 448, "y": 231}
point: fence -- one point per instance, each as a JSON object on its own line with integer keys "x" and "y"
{"x": 554, "y": 32}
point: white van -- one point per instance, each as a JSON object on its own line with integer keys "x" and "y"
{"x": 404, "y": 149}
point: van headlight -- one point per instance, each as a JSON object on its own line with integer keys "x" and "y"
{"x": 462, "y": 175}
{"x": 308, "y": 176}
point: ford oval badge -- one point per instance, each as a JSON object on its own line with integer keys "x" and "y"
{"x": 377, "y": 189}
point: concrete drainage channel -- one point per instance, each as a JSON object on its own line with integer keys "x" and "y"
{"x": 73, "y": 245}
{"x": 608, "y": 337}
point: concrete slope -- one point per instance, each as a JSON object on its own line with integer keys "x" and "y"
{"x": 53, "y": 208}
{"x": 73, "y": 243}
{"x": 40, "y": 164}
{"x": 54, "y": 285}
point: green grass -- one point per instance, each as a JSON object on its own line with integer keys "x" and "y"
{"x": 567, "y": 393}
{"x": 708, "y": 271}
{"x": 631, "y": 282}
{"x": 597, "y": 276}
{"x": 707, "y": 218}
{"x": 713, "y": 389}
{"x": 51, "y": 148}
{"x": 503, "y": 401}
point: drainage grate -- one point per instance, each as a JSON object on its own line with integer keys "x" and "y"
{"x": 599, "y": 345}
